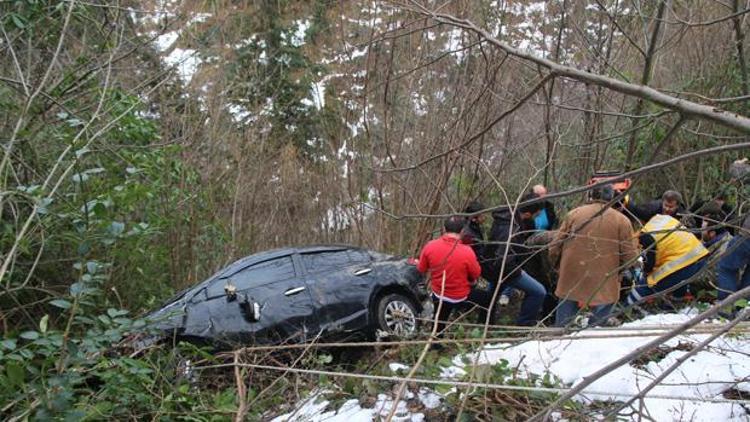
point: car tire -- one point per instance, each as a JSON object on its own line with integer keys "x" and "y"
{"x": 397, "y": 315}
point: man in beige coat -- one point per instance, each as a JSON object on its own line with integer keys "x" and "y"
{"x": 594, "y": 244}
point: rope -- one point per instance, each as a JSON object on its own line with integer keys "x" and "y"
{"x": 469, "y": 384}
{"x": 650, "y": 333}
{"x": 521, "y": 328}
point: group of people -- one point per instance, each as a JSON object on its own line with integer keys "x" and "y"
{"x": 583, "y": 263}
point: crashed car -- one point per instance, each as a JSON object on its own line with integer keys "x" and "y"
{"x": 298, "y": 294}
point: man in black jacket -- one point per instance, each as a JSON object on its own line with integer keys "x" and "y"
{"x": 670, "y": 204}
{"x": 539, "y": 265}
{"x": 506, "y": 247}
{"x": 473, "y": 235}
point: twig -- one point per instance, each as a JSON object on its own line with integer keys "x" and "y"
{"x": 241, "y": 390}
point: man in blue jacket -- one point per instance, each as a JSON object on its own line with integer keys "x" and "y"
{"x": 732, "y": 271}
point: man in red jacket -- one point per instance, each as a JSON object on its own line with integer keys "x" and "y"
{"x": 454, "y": 270}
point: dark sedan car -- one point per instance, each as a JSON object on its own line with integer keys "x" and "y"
{"x": 295, "y": 294}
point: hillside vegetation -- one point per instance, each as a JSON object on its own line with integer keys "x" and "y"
{"x": 147, "y": 144}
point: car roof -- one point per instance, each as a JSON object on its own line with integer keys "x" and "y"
{"x": 249, "y": 260}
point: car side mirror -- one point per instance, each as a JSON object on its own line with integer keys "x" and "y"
{"x": 250, "y": 308}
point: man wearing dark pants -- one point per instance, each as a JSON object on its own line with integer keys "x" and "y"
{"x": 506, "y": 246}
{"x": 733, "y": 269}
{"x": 592, "y": 246}
{"x": 453, "y": 269}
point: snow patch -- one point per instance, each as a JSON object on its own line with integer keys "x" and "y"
{"x": 454, "y": 43}
{"x": 185, "y": 61}
{"x": 350, "y": 53}
{"x": 166, "y": 40}
{"x": 385, "y": 404}
{"x": 429, "y": 398}
{"x": 239, "y": 113}
{"x": 297, "y": 37}
{"x": 310, "y": 410}
{"x": 395, "y": 367}
{"x": 199, "y": 18}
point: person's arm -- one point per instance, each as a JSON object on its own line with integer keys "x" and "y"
{"x": 514, "y": 256}
{"x": 499, "y": 239}
{"x": 477, "y": 245}
{"x": 474, "y": 270}
{"x": 628, "y": 243}
{"x": 646, "y": 211}
{"x": 649, "y": 252}
{"x": 541, "y": 238}
{"x": 423, "y": 265}
{"x": 555, "y": 247}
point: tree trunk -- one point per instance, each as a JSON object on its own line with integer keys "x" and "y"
{"x": 648, "y": 68}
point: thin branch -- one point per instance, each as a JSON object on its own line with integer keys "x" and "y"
{"x": 736, "y": 14}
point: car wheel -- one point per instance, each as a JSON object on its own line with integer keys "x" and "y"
{"x": 397, "y": 315}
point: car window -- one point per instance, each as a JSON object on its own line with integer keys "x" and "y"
{"x": 323, "y": 261}
{"x": 261, "y": 273}
{"x": 359, "y": 256}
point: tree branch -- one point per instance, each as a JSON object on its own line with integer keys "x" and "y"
{"x": 685, "y": 107}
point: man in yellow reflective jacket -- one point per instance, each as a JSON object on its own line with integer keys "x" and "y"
{"x": 671, "y": 254}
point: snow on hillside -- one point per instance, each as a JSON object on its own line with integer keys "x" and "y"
{"x": 693, "y": 392}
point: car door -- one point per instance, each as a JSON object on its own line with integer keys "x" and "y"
{"x": 340, "y": 286}
{"x": 284, "y": 304}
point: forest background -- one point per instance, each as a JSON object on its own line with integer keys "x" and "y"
{"x": 146, "y": 144}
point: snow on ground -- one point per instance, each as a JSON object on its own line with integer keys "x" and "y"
{"x": 395, "y": 367}
{"x": 685, "y": 394}
{"x": 313, "y": 409}
{"x": 705, "y": 376}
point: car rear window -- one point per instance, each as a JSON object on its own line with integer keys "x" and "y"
{"x": 328, "y": 260}
{"x": 359, "y": 256}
